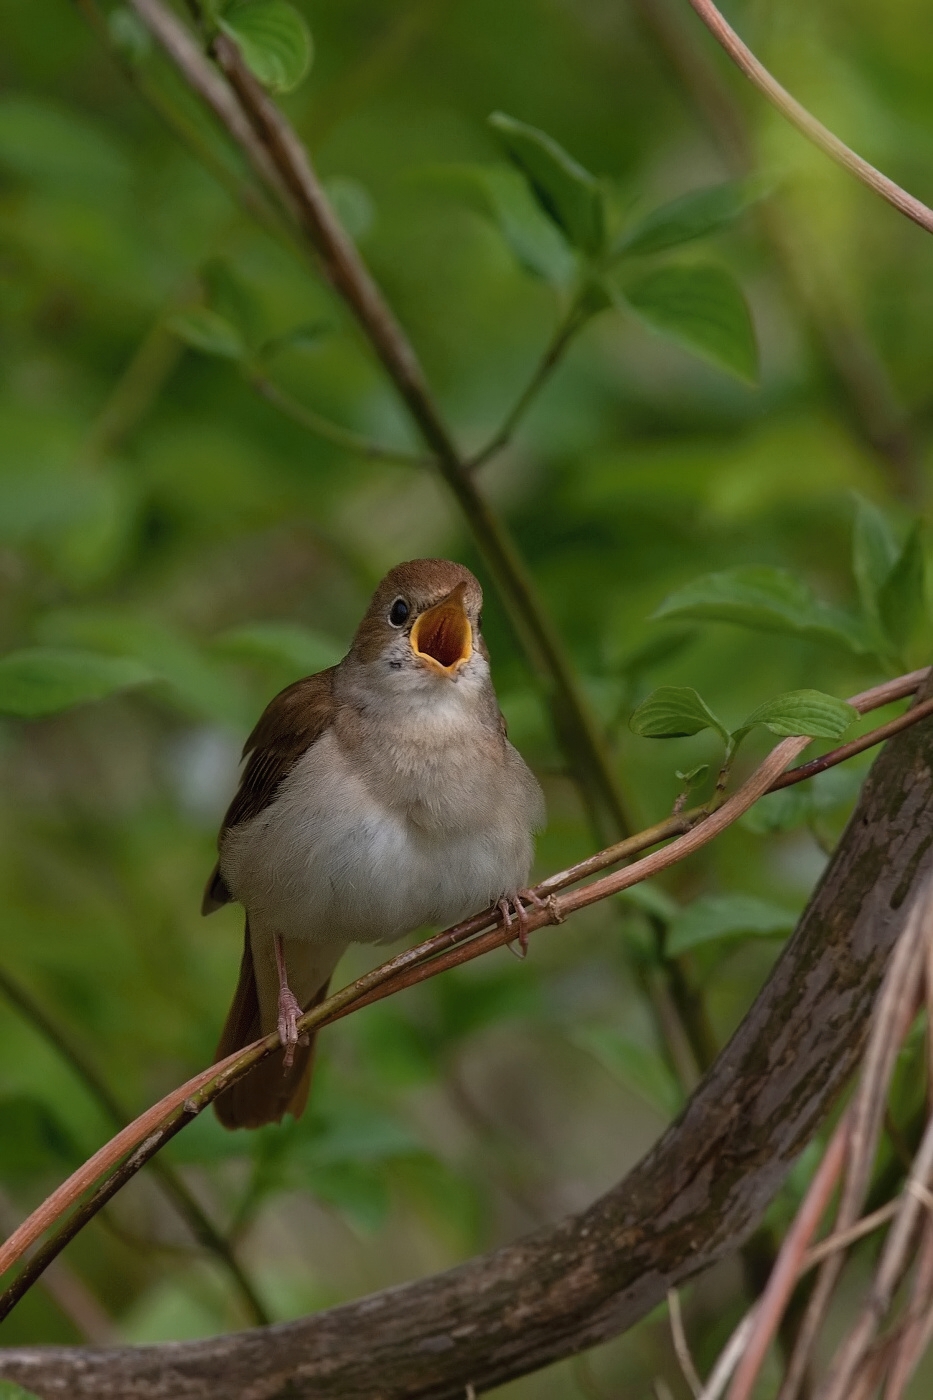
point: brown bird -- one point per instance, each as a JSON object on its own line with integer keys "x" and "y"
{"x": 378, "y": 796}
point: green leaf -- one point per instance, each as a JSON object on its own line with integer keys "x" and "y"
{"x": 190, "y": 678}
{"x": 638, "y": 1068}
{"x": 298, "y": 649}
{"x": 713, "y": 917}
{"x": 567, "y": 193}
{"x": 274, "y": 40}
{"x": 9, "y": 1390}
{"x": 901, "y": 599}
{"x": 809, "y": 713}
{"x": 874, "y": 554}
{"x": 673, "y": 711}
{"x": 766, "y": 600}
{"x": 693, "y": 777}
{"x": 305, "y": 336}
{"x": 701, "y": 307}
{"x": 500, "y": 194}
{"x": 233, "y": 299}
{"x": 205, "y": 330}
{"x": 42, "y": 680}
{"x": 692, "y": 216}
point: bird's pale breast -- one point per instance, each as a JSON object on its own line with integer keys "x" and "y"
{"x": 354, "y": 848}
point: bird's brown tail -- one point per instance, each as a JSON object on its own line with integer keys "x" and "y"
{"x": 269, "y": 1090}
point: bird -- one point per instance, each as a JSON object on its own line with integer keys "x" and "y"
{"x": 378, "y": 796}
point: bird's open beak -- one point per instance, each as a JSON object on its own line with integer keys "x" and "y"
{"x": 442, "y": 637}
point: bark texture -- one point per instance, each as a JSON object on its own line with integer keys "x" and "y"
{"x": 696, "y": 1196}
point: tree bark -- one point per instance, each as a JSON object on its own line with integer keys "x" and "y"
{"x": 695, "y": 1197}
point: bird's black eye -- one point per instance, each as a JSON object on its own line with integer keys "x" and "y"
{"x": 398, "y": 613}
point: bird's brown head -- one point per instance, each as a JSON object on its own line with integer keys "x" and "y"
{"x": 424, "y": 614}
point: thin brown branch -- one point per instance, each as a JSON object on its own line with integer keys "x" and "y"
{"x": 449, "y": 948}
{"x": 854, "y": 746}
{"x": 681, "y": 1345}
{"x": 68, "y": 1291}
{"x": 773, "y": 1302}
{"x": 869, "y": 399}
{"x": 575, "y": 319}
{"x": 806, "y": 123}
{"x": 890, "y": 1270}
{"x": 917, "y": 1323}
{"x": 897, "y": 1006}
{"x": 200, "y": 1224}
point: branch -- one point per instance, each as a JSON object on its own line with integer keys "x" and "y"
{"x": 872, "y": 404}
{"x": 200, "y": 1224}
{"x": 805, "y": 122}
{"x": 692, "y": 1200}
{"x": 575, "y": 319}
{"x": 464, "y": 941}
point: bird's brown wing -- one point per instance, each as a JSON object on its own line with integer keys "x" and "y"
{"x": 286, "y": 729}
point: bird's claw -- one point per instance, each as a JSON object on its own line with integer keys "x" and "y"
{"x": 510, "y": 906}
{"x": 289, "y": 1012}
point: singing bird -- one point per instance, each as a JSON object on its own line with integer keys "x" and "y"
{"x": 378, "y": 796}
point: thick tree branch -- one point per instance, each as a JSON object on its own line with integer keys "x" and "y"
{"x": 805, "y": 122}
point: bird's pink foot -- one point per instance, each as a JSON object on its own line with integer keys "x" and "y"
{"x": 289, "y": 1012}
{"x": 510, "y": 906}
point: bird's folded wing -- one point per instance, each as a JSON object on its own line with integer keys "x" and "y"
{"x": 286, "y": 729}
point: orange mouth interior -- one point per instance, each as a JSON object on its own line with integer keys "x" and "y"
{"x": 442, "y": 636}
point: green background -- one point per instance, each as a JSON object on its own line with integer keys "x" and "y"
{"x": 153, "y": 507}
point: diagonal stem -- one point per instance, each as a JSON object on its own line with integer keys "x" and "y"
{"x": 806, "y": 123}
{"x": 201, "y": 1226}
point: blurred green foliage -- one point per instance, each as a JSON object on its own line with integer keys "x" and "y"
{"x": 718, "y": 492}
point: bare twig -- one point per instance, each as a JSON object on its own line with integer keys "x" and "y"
{"x": 738, "y": 1343}
{"x": 890, "y": 1270}
{"x": 200, "y": 1224}
{"x": 871, "y": 404}
{"x": 841, "y": 1239}
{"x": 681, "y": 1345}
{"x": 896, "y": 1009}
{"x": 729, "y": 1358}
{"x": 68, "y": 1290}
{"x": 918, "y": 1323}
{"x": 805, "y": 122}
{"x": 773, "y": 1302}
{"x": 575, "y": 319}
{"x": 854, "y": 746}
